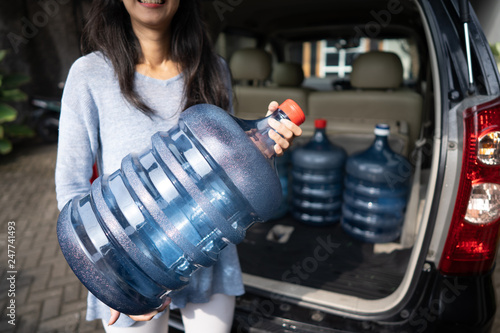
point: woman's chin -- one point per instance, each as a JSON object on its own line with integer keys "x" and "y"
{"x": 154, "y": 14}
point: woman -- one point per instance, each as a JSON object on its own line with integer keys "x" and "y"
{"x": 147, "y": 61}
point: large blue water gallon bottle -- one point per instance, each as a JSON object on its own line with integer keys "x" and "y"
{"x": 283, "y": 169}
{"x": 376, "y": 189}
{"x": 318, "y": 174}
{"x": 142, "y": 231}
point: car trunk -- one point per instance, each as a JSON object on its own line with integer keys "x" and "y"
{"x": 323, "y": 267}
{"x": 325, "y": 258}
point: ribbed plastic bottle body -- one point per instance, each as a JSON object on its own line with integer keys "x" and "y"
{"x": 146, "y": 228}
{"x": 376, "y": 190}
{"x": 283, "y": 169}
{"x": 317, "y": 177}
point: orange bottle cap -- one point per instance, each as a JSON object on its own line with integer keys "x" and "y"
{"x": 293, "y": 111}
{"x": 320, "y": 123}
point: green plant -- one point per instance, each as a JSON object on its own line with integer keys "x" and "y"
{"x": 10, "y": 92}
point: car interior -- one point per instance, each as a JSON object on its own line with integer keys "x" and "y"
{"x": 355, "y": 64}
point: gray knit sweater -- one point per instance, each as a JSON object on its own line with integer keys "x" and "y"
{"x": 96, "y": 118}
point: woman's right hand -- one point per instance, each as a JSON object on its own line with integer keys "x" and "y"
{"x": 145, "y": 317}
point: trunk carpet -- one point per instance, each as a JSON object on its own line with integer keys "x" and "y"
{"x": 322, "y": 257}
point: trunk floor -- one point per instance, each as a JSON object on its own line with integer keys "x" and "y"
{"x": 322, "y": 257}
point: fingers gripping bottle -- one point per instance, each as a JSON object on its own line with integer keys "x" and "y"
{"x": 143, "y": 230}
{"x": 318, "y": 173}
{"x": 376, "y": 190}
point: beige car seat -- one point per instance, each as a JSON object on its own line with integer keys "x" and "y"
{"x": 376, "y": 97}
{"x": 250, "y": 69}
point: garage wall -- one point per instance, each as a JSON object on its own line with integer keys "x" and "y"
{"x": 43, "y": 38}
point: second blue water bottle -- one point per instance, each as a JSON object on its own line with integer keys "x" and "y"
{"x": 318, "y": 172}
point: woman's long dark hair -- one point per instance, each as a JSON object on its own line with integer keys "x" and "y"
{"x": 109, "y": 30}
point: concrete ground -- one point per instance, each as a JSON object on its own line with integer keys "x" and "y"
{"x": 48, "y": 296}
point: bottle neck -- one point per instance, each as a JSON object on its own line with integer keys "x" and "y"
{"x": 320, "y": 135}
{"x": 258, "y": 132}
{"x": 380, "y": 142}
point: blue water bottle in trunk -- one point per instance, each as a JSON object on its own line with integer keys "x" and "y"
{"x": 376, "y": 191}
{"x": 318, "y": 174}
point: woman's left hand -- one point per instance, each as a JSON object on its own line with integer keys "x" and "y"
{"x": 146, "y": 317}
{"x": 286, "y": 129}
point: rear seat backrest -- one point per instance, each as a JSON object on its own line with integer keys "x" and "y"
{"x": 250, "y": 66}
{"x": 376, "y": 78}
{"x": 255, "y": 65}
{"x": 377, "y": 70}
{"x": 287, "y": 80}
{"x": 288, "y": 74}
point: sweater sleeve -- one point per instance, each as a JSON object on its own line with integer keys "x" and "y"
{"x": 78, "y": 135}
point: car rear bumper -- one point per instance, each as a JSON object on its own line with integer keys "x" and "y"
{"x": 439, "y": 304}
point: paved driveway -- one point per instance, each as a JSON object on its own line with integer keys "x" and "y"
{"x": 48, "y": 296}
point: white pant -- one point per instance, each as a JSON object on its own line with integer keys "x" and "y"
{"x": 216, "y": 316}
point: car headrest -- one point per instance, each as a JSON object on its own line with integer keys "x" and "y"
{"x": 250, "y": 64}
{"x": 377, "y": 70}
{"x": 288, "y": 74}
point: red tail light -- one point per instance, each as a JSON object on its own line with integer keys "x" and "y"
{"x": 473, "y": 236}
